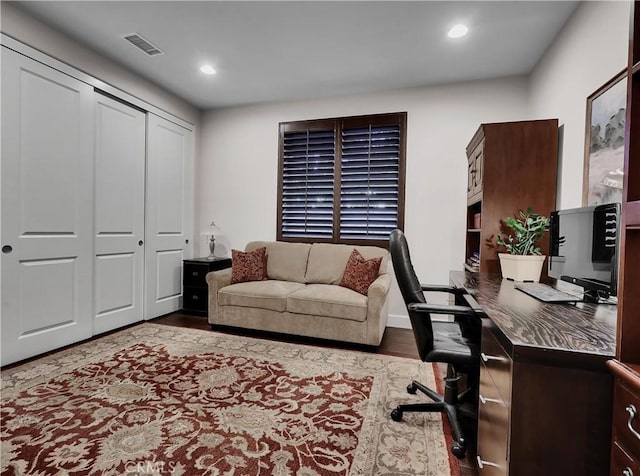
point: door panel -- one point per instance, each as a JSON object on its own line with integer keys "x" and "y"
{"x": 116, "y": 284}
{"x": 169, "y": 214}
{"x": 47, "y": 205}
{"x": 169, "y": 266}
{"x": 119, "y": 196}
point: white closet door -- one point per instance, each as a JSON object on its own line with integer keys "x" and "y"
{"x": 169, "y": 213}
{"x": 119, "y": 214}
{"x": 47, "y": 205}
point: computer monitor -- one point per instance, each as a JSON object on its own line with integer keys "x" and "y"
{"x": 584, "y": 249}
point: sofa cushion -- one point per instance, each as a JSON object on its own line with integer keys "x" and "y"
{"x": 328, "y": 300}
{"x": 249, "y": 266}
{"x": 327, "y": 261}
{"x": 261, "y": 294}
{"x": 360, "y": 273}
{"x": 285, "y": 261}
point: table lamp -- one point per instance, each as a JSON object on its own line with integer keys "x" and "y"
{"x": 212, "y": 231}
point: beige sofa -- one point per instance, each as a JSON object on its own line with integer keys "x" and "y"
{"x": 301, "y": 295}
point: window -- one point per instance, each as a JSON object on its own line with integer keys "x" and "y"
{"x": 342, "y": 180}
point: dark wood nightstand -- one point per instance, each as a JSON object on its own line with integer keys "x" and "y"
{"x": 195, "y": 292}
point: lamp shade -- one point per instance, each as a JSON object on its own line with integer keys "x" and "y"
{"x": 212, "y": 230}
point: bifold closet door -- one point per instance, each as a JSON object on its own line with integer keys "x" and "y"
{"x": 47, "y": 208}
{"x": 169, "y": 213}
{"x": 120, "y": 132}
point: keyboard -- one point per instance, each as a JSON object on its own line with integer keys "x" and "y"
{"x": 546, "y": 293}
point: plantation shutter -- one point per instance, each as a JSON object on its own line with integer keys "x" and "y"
{"x": 341, "y": 180}
{"x": 369, "y": 183}
{"x": 308, "y": 170}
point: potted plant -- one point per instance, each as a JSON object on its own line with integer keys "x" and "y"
{"x": 523, "y": 260}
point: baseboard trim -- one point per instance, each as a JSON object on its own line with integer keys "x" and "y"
{"x": 397, "y": 320}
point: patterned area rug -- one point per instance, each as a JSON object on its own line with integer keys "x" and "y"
{"x": 156, "y": 399}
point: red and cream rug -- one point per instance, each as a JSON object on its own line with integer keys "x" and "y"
{"x": 156, "y": 399}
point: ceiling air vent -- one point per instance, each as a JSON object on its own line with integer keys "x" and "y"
{"x": 136, "y": 40}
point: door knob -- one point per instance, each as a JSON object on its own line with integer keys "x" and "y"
{"x": 6, "y": 249}
{"x": 140, "y": 243}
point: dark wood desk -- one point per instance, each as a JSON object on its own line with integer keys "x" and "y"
{"x": 546, "y": 394}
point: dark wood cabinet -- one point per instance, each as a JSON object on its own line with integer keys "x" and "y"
{"x": 625, "y": 447}
{"x": 511, "y": 166}
{"x": 195, "y": 291}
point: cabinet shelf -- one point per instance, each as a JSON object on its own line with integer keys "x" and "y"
{"x": 470, "y": 268}
{"x": 631, "y": 211}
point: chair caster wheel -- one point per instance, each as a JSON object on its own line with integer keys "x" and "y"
{"x": 411, "y": 388}
{"x": 458, "y": 450}
{"x": 396, "y": 414}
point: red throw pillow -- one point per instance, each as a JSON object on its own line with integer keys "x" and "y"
{"x": 249, "y": 266}
{"x": 360, "y": 273}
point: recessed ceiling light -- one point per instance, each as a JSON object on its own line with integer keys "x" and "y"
{"x": 458, "y": 31}
{"x": 207, "y": 69}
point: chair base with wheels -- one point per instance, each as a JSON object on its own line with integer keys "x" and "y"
{"x": 449, "y": 403}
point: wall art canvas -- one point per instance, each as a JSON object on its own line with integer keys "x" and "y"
{"x": 604, "y": 143}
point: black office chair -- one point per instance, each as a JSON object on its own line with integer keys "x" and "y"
{"x": 456, "y": 343}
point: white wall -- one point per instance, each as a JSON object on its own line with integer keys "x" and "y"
{"x": 591, "y": 49}
{"x": 237, "y": 169}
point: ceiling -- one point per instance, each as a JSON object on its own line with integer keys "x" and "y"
{"x": 290, "y": 50}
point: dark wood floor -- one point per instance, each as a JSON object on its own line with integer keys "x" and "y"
{"x": 398, "y": 342}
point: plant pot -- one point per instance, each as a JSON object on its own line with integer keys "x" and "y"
{"x": 521, "y": 267}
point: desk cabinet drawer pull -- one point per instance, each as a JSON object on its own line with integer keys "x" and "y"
{"x": 484, "y": 400}
{"x": 627, "y": 472}
{"x": 631, "y": 410}
{"x": 487, "y": 358}
{"x": 482, "y": 463}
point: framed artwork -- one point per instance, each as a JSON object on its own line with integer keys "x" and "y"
{"x": 604, "y": 143}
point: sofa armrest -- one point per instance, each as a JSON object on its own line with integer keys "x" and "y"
{"x": 377, "y": 308}
{"x": 216, "y": 281}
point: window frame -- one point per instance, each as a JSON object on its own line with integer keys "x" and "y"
{"x": 338, "y": 123}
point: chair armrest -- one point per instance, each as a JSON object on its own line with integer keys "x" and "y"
{"x": 216, "y": 281}
{"x": 443, "y": 289}
{"x": 442, "y": 309}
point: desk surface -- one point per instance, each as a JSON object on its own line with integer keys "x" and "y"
{"x": 529, "y": 328}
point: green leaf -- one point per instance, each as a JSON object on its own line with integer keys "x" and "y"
{"x": 526, "y": 232}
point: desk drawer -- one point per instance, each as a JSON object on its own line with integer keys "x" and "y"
{"x": 626, "y": 419}
{"x": 195, "y": 299}
{"x": 194, "y": 274}
{"x": 622, "y": 464}
{"x": 497, "y": 363}
{"x": 493, "y": 428}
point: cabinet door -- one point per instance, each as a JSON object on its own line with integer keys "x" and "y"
{"x": 119, "y": 216}
{"x": 47, "y": 208}
{"x": 169, "y": 214}
{"x": 478, "y": 168}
